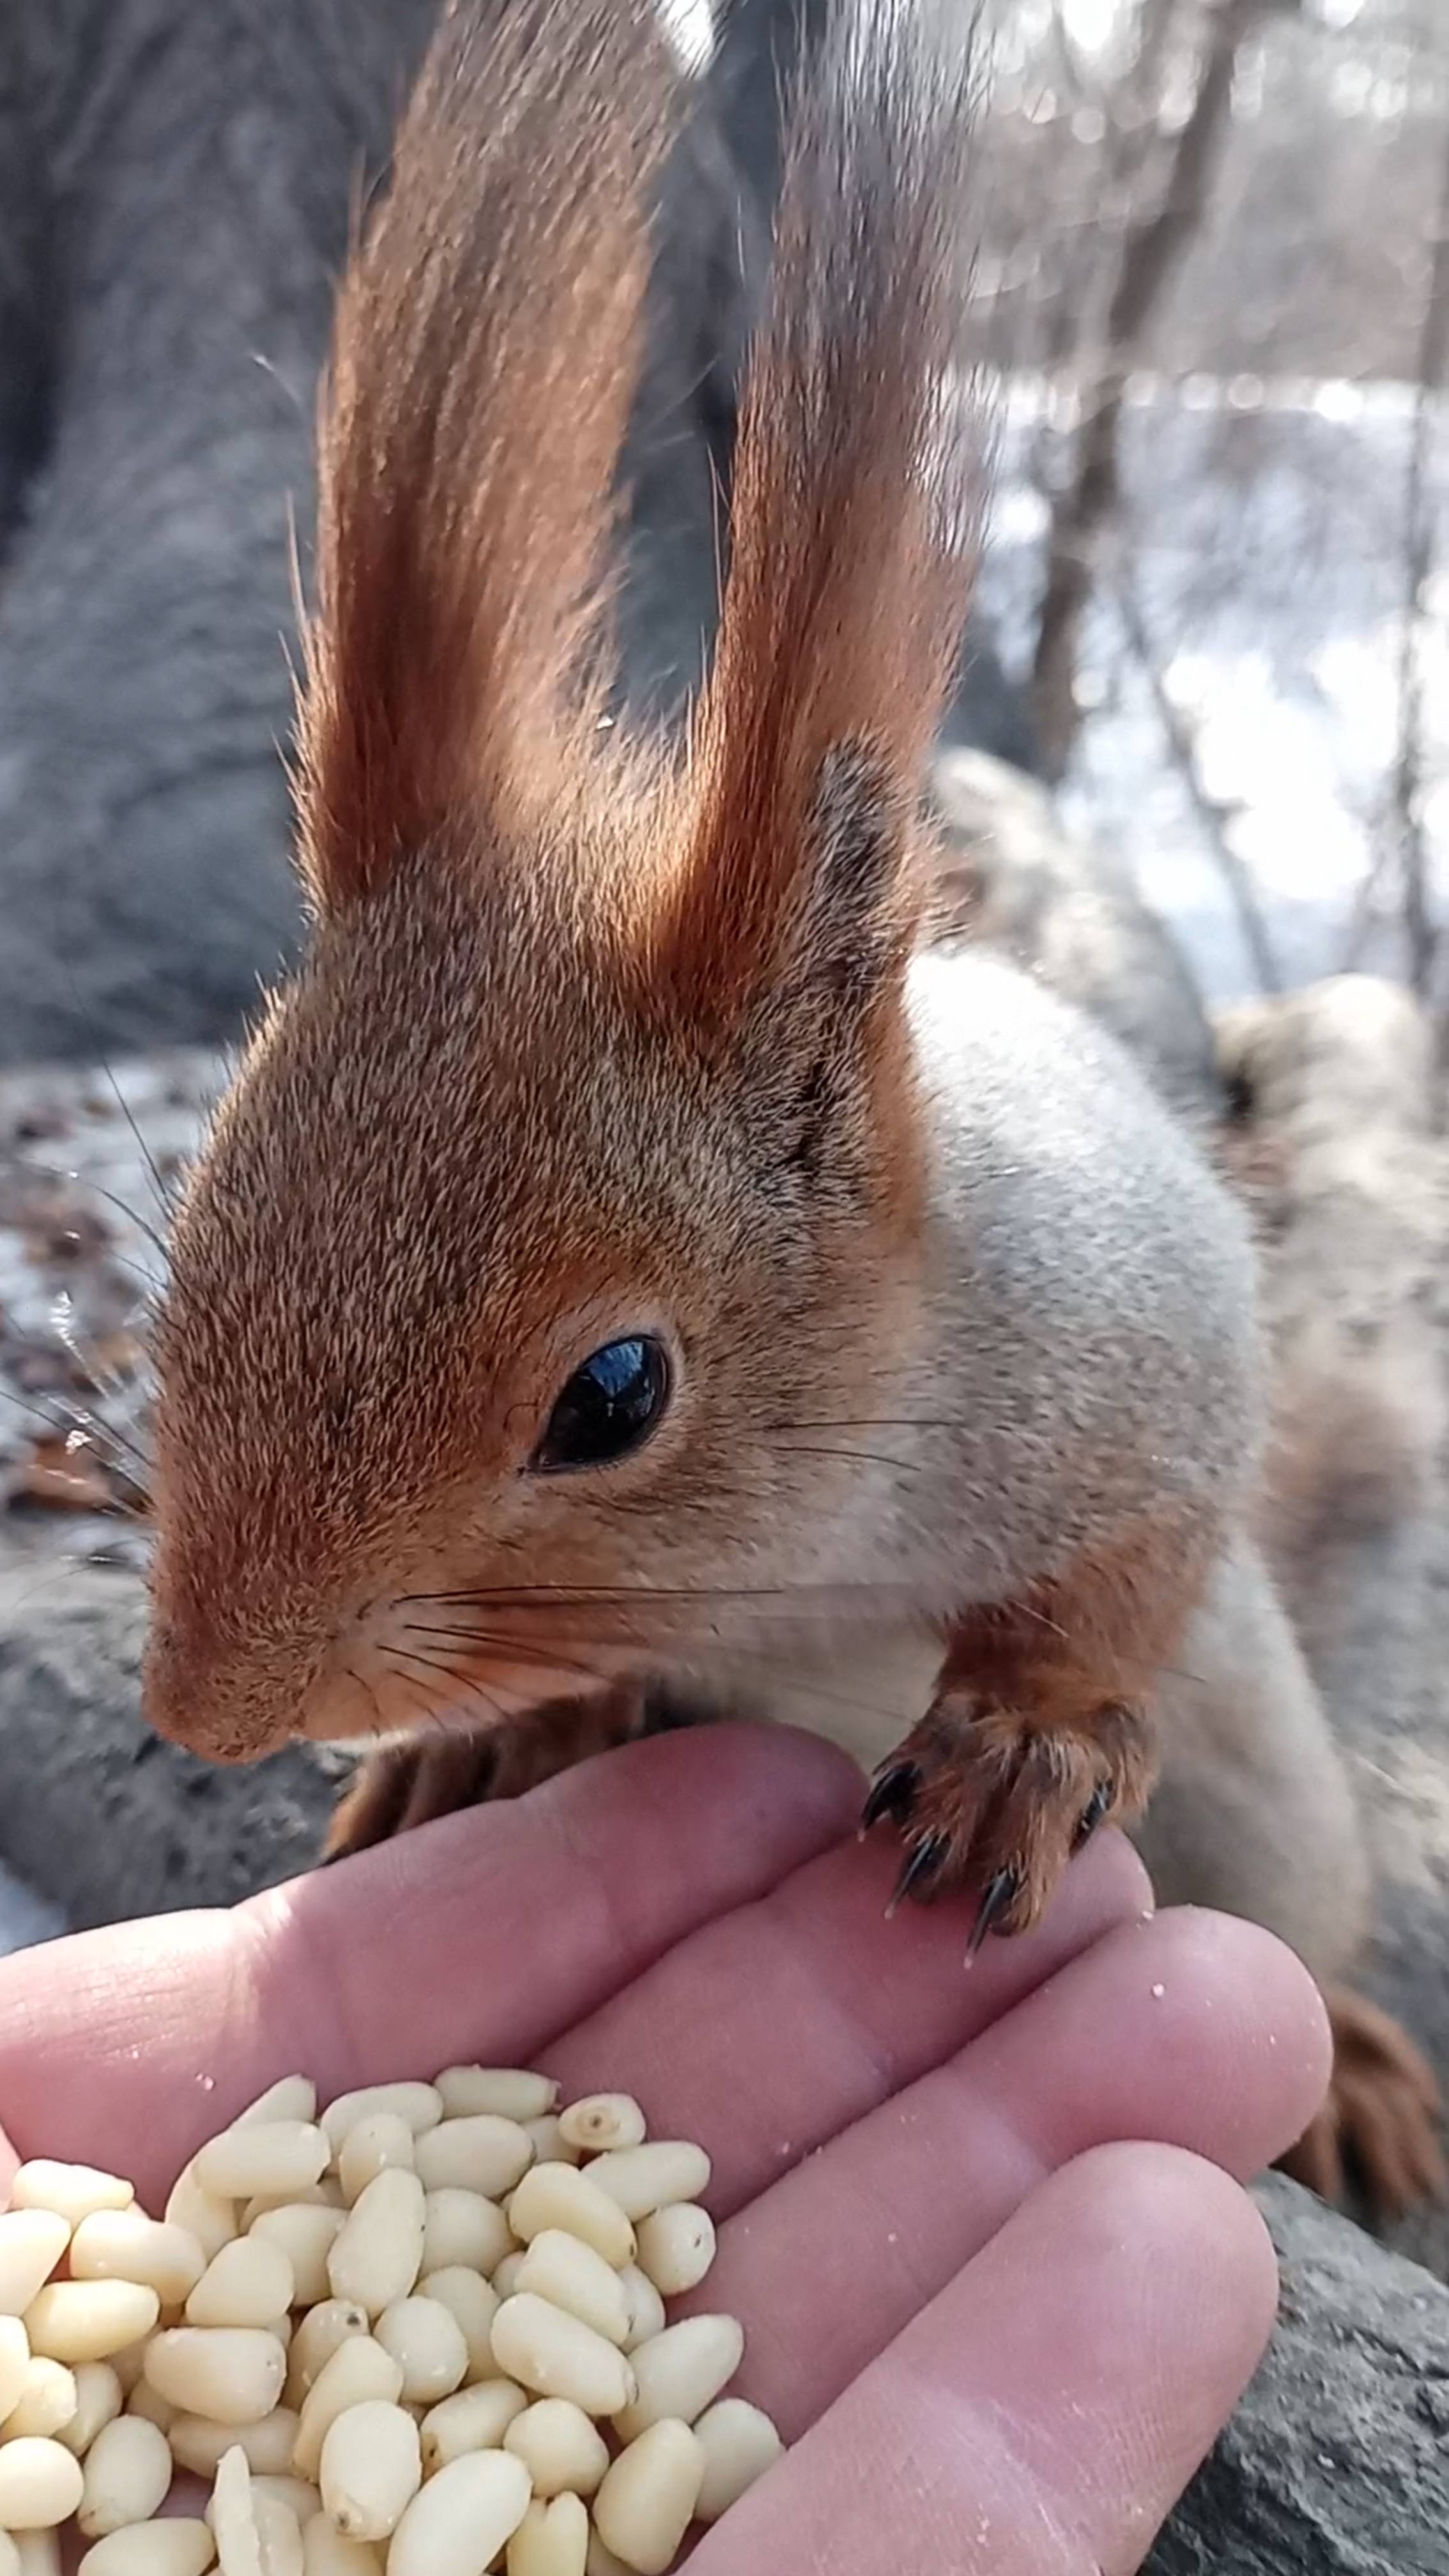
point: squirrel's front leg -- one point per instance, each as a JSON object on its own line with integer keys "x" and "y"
{"x": 1040, "y": 1728}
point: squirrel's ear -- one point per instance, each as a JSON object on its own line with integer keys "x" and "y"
{"x": 483, "y": 365}
{"x": 853, "y": 529}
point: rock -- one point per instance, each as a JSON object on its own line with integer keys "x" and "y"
{"x": 100, "y": 1816}
{"x": 1053, "y": 904}
{"x": 1334, "y": 1093}
{"x": 1337, "y": 2461}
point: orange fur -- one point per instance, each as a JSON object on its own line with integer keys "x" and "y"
{"x": 484, "y": 361}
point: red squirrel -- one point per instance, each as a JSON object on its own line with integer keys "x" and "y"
{"x": 633, "y": 1272}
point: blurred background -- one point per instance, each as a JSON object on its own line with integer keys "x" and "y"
{"x": 1214, "y": 298}
{"x": 1199, "y": 750}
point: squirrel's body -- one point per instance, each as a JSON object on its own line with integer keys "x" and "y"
{"x": 627, "y": 1256}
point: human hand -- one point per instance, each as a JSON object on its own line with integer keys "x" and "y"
{"x": 1001, "y": 2334}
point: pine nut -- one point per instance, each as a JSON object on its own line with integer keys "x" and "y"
{"x": 556, "y": 2355}
{"x": 322, "y": 2329}
{"x": 563, "y": 2452}
{"x": 126, "y": 2245}
{"x": 275, "y": 2156}
{"x": 463, "y": 2227}
{"x": 199, "y": 2443}
{"x": 72, "y": 2191}
{"x": 359, "y": 2370}
{"x": 372, "y": 2468}
{"x": 604, "y": 2120}
{"x": 38, "y": 2552}
{"x": 256, "y": 2534}
{"x": 326, "y": 2553}
{"x": 40, "y": 2485}
{"x": 473, "y": 2305}
{"x": 421, "y": 2105}
{"x": 248, "y": 2283}
{"x": 469, "y": 2309}
{"x": 302, "y": 2501}
{"x": 551, "y": 2540}
{"x": 556, "y": 2196}
{"x": 152, "y": 2409}
{"x": 47, "y": 2402}
{"x": 14, "y": 2360}
{"x": 475, "y": 2420}
{"x": 568, "y": 2273}
{"x": 292, "y": 2097}
{"x": 643, "y": 2179}
{"x": 646, "y": 2503}
{"x": 369, "y": 2148}
{"x": 646, "y": 2308}
{"x": 680, "y": 2372}
{"x": 485, "y": 2154}
{"x": 306, "y": 2235}
{"x": 601, "y": 2561}
{"x": 550, "y": 2146}
{"x": 127, "y": 2476}
{"x": 128, "y": 2364}
{"x": 232, "y": 2373}
{"x": 426, "y": 2340}
{"x": 32, "y": 2242}
{"x": 152, "y": 2549}
{"x": 462, "y": 2518}
{"x": 676, "y": 2247}
{"x": 210, "y": 2220}
{"x": 505, "y": 2090}
{"x": 99, "y": 2398}
{"x": 377, "y": 2253}
{"x": 326, "y": 2194}
{"x": 88, "y": 2320}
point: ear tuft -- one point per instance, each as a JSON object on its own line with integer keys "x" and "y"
{"x": 864, "y": 905}
{"x": 483, "y": 366}
{"x": 853, "y": 523}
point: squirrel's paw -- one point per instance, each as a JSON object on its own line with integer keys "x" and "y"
{"x": 992, "y": 1795}
{"x": 409, "y": 1784}
{"x": 437, "y": 1773}
{"x": 1380, "y": 2123}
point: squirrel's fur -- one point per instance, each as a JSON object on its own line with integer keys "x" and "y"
{"x": 591, "y": 1042}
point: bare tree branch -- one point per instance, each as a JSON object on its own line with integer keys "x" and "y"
{"x": 1215, "y": 816}
{"x": 1152, "y": 250}
{"x": 1421, "y": 932}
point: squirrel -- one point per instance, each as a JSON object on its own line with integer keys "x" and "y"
{"x": 633, "y": 1275}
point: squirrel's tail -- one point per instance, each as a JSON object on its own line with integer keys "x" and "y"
{"x": 484, "y": 361}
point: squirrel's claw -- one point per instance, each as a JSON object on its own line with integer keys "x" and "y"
{"x": 990, "y": 1793}
{"x": 923, "y": 1864}
{"x": 998, "y": 1896}
{"x": 893, "y": 1796}
{"x": 1095, "y": 1812}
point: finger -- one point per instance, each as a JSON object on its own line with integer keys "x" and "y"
{"x": 1045, "y": 2412}
{"x": 816, "y": 2008}
{"x": 476, "y": 1937}
{"x": 1195, "y": 2029}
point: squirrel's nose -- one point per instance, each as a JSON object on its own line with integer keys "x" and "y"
{"x": 214, "y": 1702}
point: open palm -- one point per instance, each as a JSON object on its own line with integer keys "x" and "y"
{"x": 1000, "y": 2287}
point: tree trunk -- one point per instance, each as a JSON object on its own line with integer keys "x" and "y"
{"x": 1152, "y": 252}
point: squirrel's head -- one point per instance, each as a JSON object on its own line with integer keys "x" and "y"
{"x": 575, "y": 1182}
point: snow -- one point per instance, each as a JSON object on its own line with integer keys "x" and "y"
{"x": 1264, "y": 554}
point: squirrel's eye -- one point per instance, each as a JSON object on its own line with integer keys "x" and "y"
{"x": 608, "y": 1407}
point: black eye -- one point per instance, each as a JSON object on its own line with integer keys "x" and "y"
{"x": 608, "y": 1407}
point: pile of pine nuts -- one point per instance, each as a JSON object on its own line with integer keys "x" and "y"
{"x": 421, "y": 2335}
